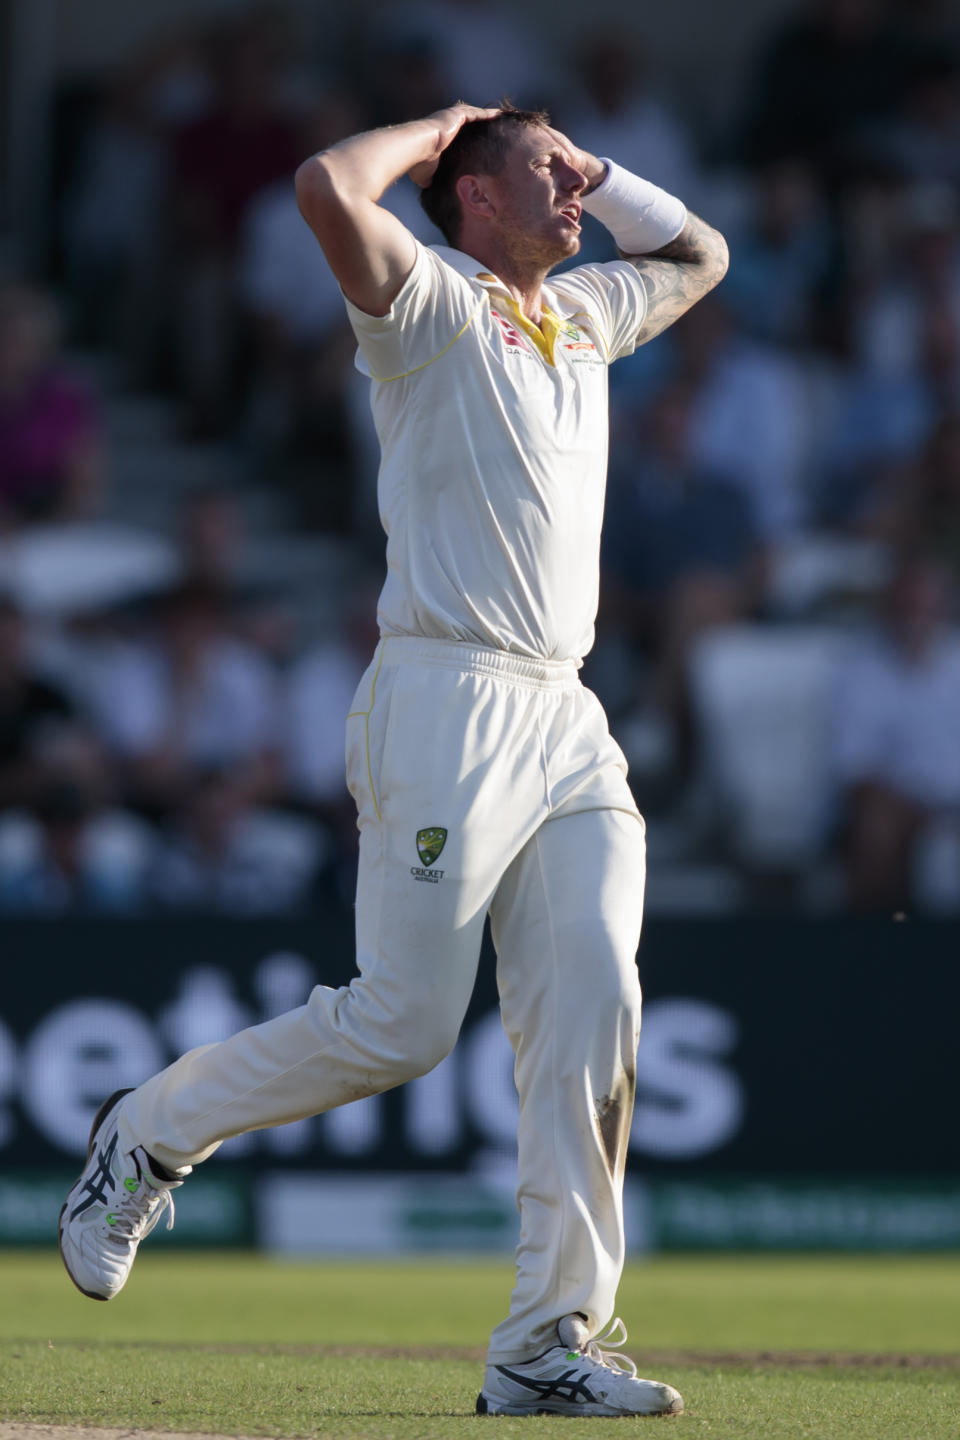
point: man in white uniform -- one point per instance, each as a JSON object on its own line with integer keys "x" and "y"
{"x": 485, "y": 777}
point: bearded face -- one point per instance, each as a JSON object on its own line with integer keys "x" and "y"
{"x": 535, "y": 199}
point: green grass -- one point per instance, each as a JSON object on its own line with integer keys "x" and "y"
{"x": 239, "y": 1344}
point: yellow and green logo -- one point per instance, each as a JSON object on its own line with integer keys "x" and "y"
{"x": 430, "y": 842}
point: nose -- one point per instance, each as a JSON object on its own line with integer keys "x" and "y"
{"x": 573, "y": 180}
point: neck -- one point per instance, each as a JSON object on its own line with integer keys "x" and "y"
{"x": 523, "y": 274}
{"x": 526, "y": 292}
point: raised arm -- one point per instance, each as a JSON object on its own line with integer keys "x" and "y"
{"x": 369, "y": 251}
{"x": 680, "y": 273}
{"x": 676, "y": 274}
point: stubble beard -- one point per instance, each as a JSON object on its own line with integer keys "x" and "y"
{"x": 529, "y": 250}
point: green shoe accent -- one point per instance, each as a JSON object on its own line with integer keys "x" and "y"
{"x": 571, "y": 1354}
{"x": 132, "y": 1185}
{"x": 111, "y": 1219}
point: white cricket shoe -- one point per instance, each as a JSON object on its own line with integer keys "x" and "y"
{"x": 576, "y": 1377}
{"x": 114, "y": 1204}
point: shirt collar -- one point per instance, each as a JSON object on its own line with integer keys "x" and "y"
{"x": 466, "y": 265}
{"x": 544, "y": 335}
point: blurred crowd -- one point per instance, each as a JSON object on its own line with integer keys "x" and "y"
{"x": 776, "y": 642}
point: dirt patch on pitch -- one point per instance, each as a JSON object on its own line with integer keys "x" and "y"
{"x": 800, "y": 1360}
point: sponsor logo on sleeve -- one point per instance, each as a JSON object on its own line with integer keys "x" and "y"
{"x": 579, "y": 349}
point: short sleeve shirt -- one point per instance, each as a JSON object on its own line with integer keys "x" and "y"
{"x": 493, "y": 435}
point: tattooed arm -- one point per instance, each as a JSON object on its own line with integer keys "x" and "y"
{"x": 675, "y": 276}
{"x": 680, "y": 274}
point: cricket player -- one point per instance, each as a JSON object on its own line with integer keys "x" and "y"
{"x": 484, "y": 774}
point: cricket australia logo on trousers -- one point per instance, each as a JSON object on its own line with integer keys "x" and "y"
{"x": 430, "y": 843}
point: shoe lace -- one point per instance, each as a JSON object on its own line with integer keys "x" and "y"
{"x": 136, "y": 1214}
{"x": 616, "y": 1334}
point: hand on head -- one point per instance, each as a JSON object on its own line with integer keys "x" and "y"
{"x": 581, "y": 160}
{"x": 448, "y": 122}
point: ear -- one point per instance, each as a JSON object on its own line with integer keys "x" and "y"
{"x": 474, "y": 196}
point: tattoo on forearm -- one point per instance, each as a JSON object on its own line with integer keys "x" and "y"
{"x": 680, "y": 274}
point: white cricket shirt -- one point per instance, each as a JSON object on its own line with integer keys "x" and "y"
{"x": 493, "y": 436}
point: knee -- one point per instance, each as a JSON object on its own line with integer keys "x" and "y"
{"x": 402, "y": 1038}
{"x": 422, "y": 1050}
{"x": 609, "y": 951}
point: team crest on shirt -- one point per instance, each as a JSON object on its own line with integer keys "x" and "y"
{"x": 430, "y": 843}
{"x": 576, "y": 344}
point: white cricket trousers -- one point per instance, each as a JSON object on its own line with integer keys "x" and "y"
{"x": 512, "y": 759}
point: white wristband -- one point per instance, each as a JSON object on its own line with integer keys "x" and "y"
{"x": 641, "y": 217}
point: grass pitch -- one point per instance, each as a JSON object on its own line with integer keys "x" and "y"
{"x": 859, "y": 1348}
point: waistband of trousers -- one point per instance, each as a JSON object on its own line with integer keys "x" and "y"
{"x": 526, "y": 670}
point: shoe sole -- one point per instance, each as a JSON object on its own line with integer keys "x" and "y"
{"x": 98, "y": 1120}
{"x": 591, "y": 1412}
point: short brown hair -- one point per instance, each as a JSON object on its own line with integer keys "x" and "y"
{"x": 479, "y": 148}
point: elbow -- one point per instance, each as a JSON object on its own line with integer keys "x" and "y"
{"x": 721, "y": 257}
{"x": 315, "y": 186}
{"x": 313, "y": 174}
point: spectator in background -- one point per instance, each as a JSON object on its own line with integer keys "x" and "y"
{"x": 50, "y": 451}
{"x": 922, "y": 509}
{"x": 210, "y": 526}
{"x": 748, "y": 414}
{"x": 302, "y": 348}
{"x": 483, "y": 49}
{"x": 833, "y": 67}
{"x": 618, "y": 112}
{"x": 319, "y": 692}
{"x": 403, "y": 70}
{"x": 220, "y": 161}
{"x": 905, "y": 366}
{"x": 921, "y": 139}
{"x": 71, "y": 851}
{"x": 299, "y": 411}
{"x": 318, "y": 695}
{"x": 196, "y": 696}
{"x": 243, "y": 142}
{"x": 224, "y": 855}
{"x": 118, "y": 254}
{"x": 32, "y": 707}
{"x": 175, "y": 69}
{"x": 681, "y": 549}
{"x": 896, "y": 729}
{"x": 781, "y": 256}
{"x": 900, "y": 318}
{"x": 114, "y": 250}
{"x": 212, "y": 544}
{"x": 284, "y": 283}
{"x": 303, "y": 345}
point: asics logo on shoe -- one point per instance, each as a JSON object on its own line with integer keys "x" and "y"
{"x": 567, "y": 1386}
{"x": 99, "y": 1180}
{"x": 115, "y": 1210}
